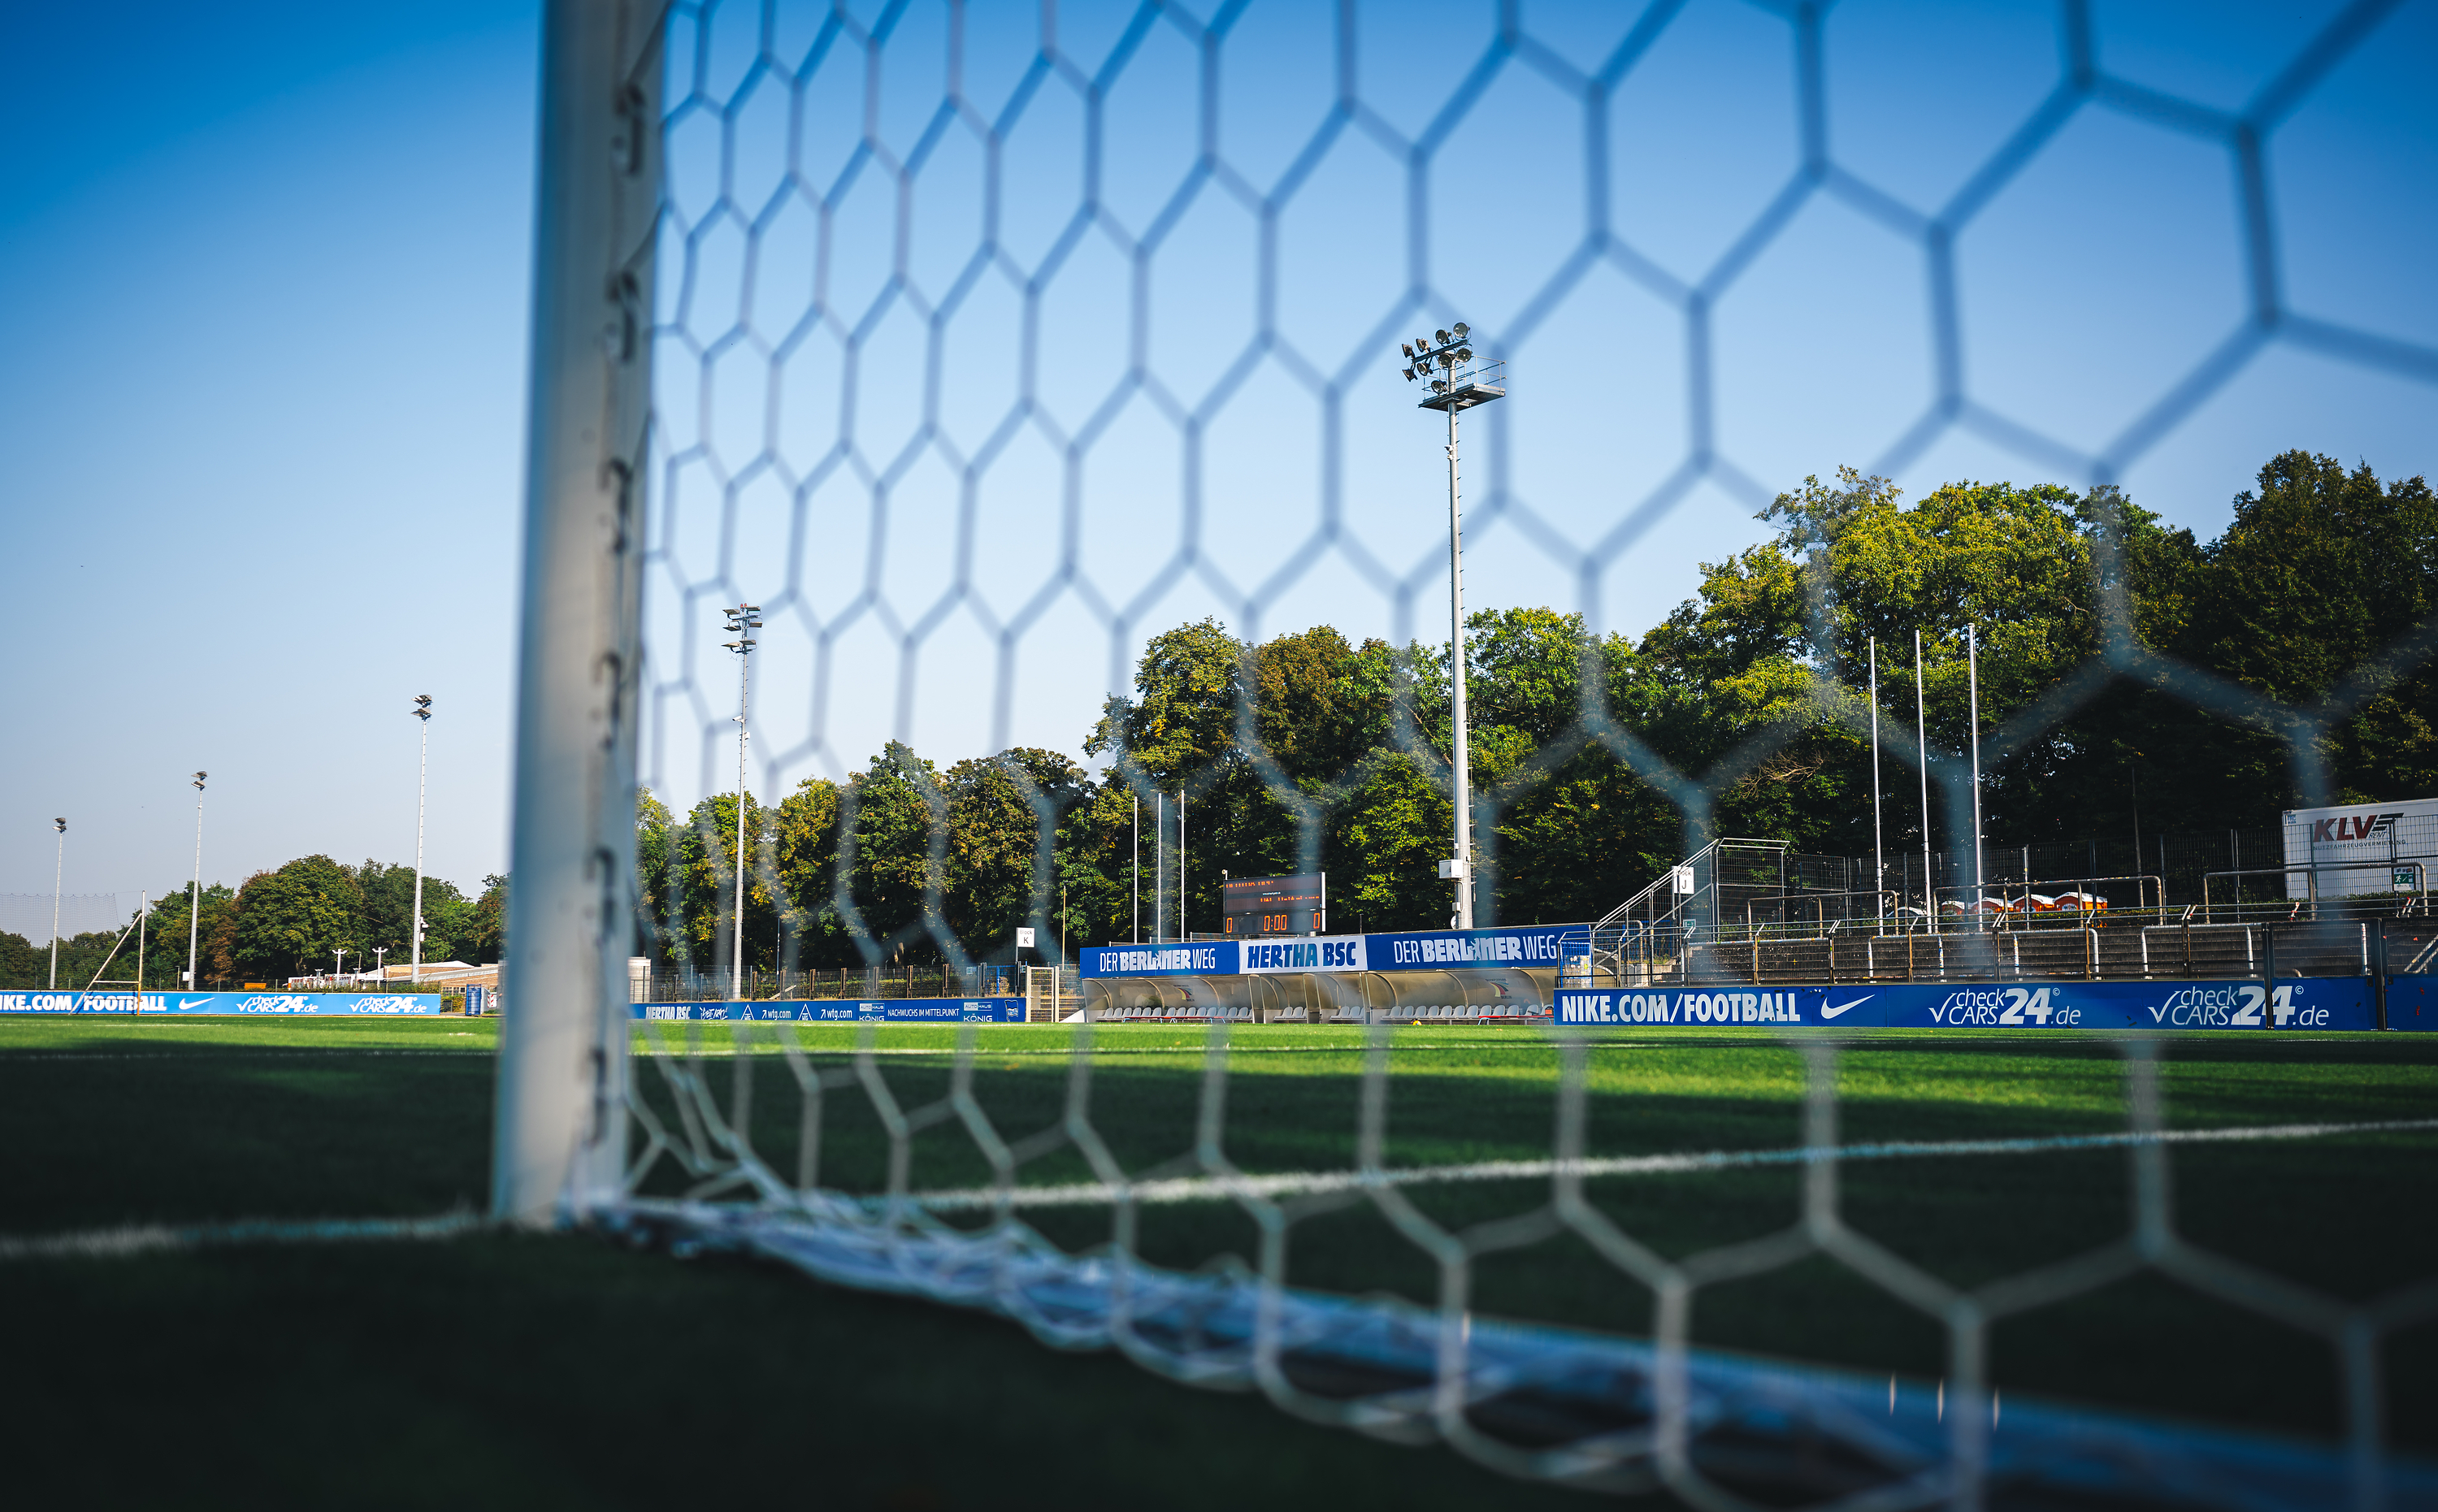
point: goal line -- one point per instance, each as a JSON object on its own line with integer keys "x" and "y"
{"x": 1308, "y": 1183}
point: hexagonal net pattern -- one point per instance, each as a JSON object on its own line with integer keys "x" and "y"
{"x": 984, "y": 344}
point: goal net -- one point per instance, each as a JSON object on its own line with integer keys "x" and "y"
{"x": 987, "y": 495}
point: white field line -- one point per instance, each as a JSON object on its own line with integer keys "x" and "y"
{"x": 150, "y": 1238}
{"x": 189, "y": 1053}
{"x": 1302, "y": 1183}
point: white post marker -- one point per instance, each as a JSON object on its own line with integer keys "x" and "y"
{"x": 559, "y": 1137}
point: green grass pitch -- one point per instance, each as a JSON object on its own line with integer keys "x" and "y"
{"x": 541, "y": 1371}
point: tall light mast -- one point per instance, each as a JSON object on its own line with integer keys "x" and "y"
{"x": 1459, "y": 386}
{"x": 742, "y": 621}
{"x": 422, "y": 770}
{"x": 195, "y": 900}
{"x": 59, "y": 871}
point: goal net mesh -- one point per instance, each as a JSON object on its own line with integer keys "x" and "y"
{"x": 989, "y": 344}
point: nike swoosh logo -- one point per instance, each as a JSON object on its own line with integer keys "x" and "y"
{"x": 1825, "y": 1011}
{"x": 185, "y": 1003}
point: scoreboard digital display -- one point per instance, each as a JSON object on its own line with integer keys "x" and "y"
{"x": 1256, "y": 906}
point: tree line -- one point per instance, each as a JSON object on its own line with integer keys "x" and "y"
{"x": 276, "y": 924}
{"x": 2121, "y": 662}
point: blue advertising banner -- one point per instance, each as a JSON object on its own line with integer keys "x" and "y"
{"x": 346, "y": 1003}
{"x": 1421, "y": 951}
{"x": 1216, "y": 958}
{"x": 848, "y": 1010}
{"x": 2314, "y": 1003}
{"x": 1256, "y": 957}
{"x": 1536, "y": 947}
{"x": 2412, "y": 1003}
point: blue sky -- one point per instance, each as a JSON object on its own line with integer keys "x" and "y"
{"x": 265, "y": 280}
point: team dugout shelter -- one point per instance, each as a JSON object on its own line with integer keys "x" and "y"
{"x": 1479, "y": 973}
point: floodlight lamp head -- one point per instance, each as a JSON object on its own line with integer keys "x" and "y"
{"x": 1438, "y": 385}
{"x": 1406, "y": 347}
{"x": 1443, "y": 338}
{"x": 424, "y": 699}
{"x": 1464, "y": 354}
{"x": 1462, "y": 330}
{"x": 61, "y": 825}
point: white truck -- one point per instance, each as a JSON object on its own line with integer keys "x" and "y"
{"x": 2354, "y": 848}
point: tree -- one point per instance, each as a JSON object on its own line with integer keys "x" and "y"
{"x": 706, "y": 860}
{"x": 291, "y": 921}
{"x": 659, "y": 911}
{"x": 815, "y": 931}
{"x": 1183, "y": 717}
{"x": 389, "y": 912}
{"x": 484, "y": 936}
{"x": 1004, "y": 813}
{"x": 165, "y": 946}
{"x": 23, "y": 966}
{"x": 894, "y": 851}
{"x": 2321, "y": 576}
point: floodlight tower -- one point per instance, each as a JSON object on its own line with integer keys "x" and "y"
{"x": 742, "y": 621}
{"x": 59, "y": 870}
{"x": 422, "y": 770}
{"x": 195, "y": 899}
{"x": 1459, "y": 385}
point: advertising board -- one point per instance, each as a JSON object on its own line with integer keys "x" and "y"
{"x": 2313, "y": 1003}
{"x": 1216, "y": 958}
{"x": 1256, "y": 957}
{"x": 848, "y": 1010}
{"x": 1536, "y": 945}
{"x": 2412, "y": 1003}
{"x": 2354, "y": 848}
{"x": 332, "y": 1003}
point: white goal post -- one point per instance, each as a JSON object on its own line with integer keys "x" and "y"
{"x": 561, "y": 1131}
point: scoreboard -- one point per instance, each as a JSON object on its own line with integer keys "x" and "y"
{"x": 1255, "y": 906}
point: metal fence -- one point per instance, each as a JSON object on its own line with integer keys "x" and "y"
{"x": 844, "y": 982}
{"x": 2090, "y": 947}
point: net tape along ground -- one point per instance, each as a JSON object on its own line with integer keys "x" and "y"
{"x": 773, "y": 454}
{"x": 1528, "y": 1399}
